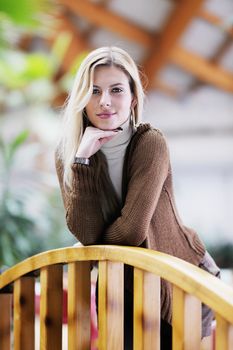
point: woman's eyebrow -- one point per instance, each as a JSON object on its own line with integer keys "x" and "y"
{"x": 116, "y": 84}
{"x": 112, "y": 85}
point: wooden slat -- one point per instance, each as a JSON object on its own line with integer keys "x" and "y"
{"x": 178, "y": 318}
{"x": 221, "y": 334}
{"x": 100, "y": 16}
{"x": 24, "y": 313}
{"x": 115, "y": 306}
{"x": 201, "y": 68}
{"x": 146, "y": 310}
{"x": 51, "y": 308}
{"x": 178, "y": 21}
{"x": 151, "y": 323}
{"x": 113, "y": 275}
{"x": 5, "y": 321}
{"x": 138, "y": 310}
{"x": 192, "y": 321}
{"x": 102, "y": 305}
{"x": 230, "y": 335}
{"x": 79, "y": 296}
{"x": 186, "y": 319}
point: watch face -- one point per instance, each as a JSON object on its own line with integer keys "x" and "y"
{"x": 85, "y": 161}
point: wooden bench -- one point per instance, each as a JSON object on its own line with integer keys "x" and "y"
{"x": 191, "y": 286}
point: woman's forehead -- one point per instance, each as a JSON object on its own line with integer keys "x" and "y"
{"x": 110, "y": 75}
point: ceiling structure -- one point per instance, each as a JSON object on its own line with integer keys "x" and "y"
{"x": 184, "y": 50}
{"x": 179, "y": 44}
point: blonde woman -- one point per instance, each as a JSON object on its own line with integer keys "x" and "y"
{"x": 115, "y": 174}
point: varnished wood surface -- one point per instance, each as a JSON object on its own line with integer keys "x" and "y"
{"x": 79, "y": 300}
{"x": 223, "y": 334}
{"x": 191, "y": 279}
{"x": 51, "y": 308}
{"x": 24, "y": 313}
{"x": 5, "y": 321}
{"x": 146, "y": 310}
{"x": 111, "y": 305}
{"x": 191, "y": 286}
{"x": 115, "y": 305}
{"x": 102, "y": 305}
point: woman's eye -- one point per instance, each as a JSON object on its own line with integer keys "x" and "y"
{"x": 95, "y": 91}
{"x": 116, "y": 90}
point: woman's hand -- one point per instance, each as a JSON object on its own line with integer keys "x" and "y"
{"x": 93, "y": 139}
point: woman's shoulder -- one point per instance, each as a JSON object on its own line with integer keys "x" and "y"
{"x": 149, "y": 144}
{"x": 147, "y": 133}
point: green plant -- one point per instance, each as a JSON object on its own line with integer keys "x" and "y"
{"x": 16, "y": 227}
{"x": 222, "y": 254}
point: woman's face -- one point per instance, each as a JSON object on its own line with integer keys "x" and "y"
{"x": 111, "y": 100}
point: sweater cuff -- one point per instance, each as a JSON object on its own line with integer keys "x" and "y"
{"x": 83, "y": 178}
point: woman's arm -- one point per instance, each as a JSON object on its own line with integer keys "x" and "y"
{"x": 83, "y": 213}
{"x": 148, "y": 171}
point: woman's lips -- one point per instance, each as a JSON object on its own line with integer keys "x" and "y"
{"x": 105, "y": 115}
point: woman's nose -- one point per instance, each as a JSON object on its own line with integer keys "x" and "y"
{"x": 105, "y": 100}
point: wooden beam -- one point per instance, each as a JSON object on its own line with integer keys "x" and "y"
{"x": 165, "y": 88}
{"x": 182, "y": 15}
{"x": 215, "y": 20}
{"x": 102, "y": 17}
{"x": 215, "y": 59}
{"x": 202, "y": 69}
{"x": 103, "y": 2}
{"x": 226, "y": 44}
{"x": 77, "y": 43}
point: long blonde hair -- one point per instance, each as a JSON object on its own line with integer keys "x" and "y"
{"x": 73, "y": 124}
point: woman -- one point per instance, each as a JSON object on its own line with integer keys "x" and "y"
{"x": 115, "y": 173}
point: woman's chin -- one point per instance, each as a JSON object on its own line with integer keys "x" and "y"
{"x": 107, "y": 127}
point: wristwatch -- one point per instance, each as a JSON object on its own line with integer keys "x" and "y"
{"x": 81, "y": 160}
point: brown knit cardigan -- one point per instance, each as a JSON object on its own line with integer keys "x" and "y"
{"x": 148, "y": 217}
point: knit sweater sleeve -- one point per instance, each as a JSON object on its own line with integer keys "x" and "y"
{"x": 83, "y": 214}
{"x": 148, "y": 171}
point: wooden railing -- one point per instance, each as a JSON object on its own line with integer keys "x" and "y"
{"x": 191, "y": 286}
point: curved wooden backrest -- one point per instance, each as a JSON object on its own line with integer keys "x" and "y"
{"x": 191, "y": 286}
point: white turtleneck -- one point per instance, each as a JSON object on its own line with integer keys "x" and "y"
{"x": 114, "y": 151}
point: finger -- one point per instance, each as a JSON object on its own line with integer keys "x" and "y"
{"x": 103, "y": 140}
{"x": 101, "y": 133}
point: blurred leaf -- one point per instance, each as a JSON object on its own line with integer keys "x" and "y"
{"x": 77, "y": 62}
{"x": 38, "y": 66}
{"x": 61, "y": 45}
{"x": 23, "y": 12}
{"x": 1, "y": 143}
{"x": 18, "y": 69}
{"x": 17, "y": 142}
{"x": 8, "y": 150}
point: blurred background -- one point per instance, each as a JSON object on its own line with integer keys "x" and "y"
{"x": 185, "y": 52}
